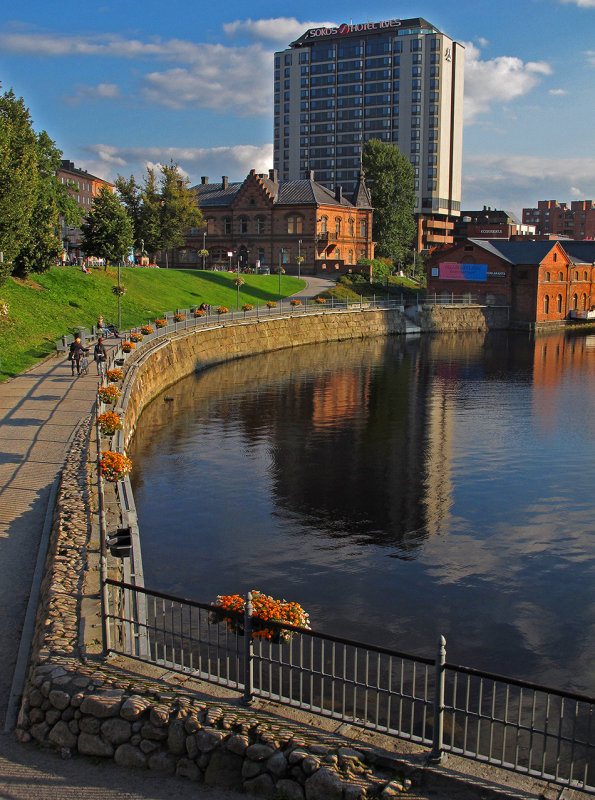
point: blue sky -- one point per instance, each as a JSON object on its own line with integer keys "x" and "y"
{"x": 120, "y": 86}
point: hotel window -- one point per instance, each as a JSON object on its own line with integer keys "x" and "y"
{"x": 287, "y": 59}
{"x": 415, "y": 45}
{"x": 415, "y": 134}
{"x": 435, "y": 72}
{"x": 415, "y": 147}
{"x": 416, "y": 73}
{"x": 294, "y": 224}
{"x": 304, "y": 57}
{"x": 434, "y": 44}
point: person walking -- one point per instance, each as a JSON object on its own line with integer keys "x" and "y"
{"x": 100, "y": 357}
{"x": 75, "y": 354}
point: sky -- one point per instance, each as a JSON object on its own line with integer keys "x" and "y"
{"x": 127, "y": 85}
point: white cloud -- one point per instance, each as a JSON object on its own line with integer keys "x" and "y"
{"x": 590, "y": 57}
{"x": 514, "y": 182}
{"x": 280, "y": 29}
{"x": 557, "y": 92}
{"x": 223, "y": 78}
{"x": 236, "y": 161}
{"x": 581, "y": 3}
{"x": 103, "y": 91}
{"x": 575, "y": 192}
{"x": 498, "y": 80}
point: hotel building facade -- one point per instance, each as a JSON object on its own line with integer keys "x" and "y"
{"x": 400, "y": 81}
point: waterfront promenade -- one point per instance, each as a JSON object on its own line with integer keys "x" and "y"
{"x": 40, "y": 411}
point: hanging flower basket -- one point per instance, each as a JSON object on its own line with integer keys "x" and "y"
{"x": 222, "y": 310}
{"x": 136, "y": 337}
{"x": 320, "y": 300}
{"x": 146, "y": 330}
{"x": 109, "y": 394}
{"x": 179, "y": 317}
{"x": 128, "y": 346}
{"x": 114, "y": 466}
{"x": 114, "y": 375}
{"x": 160, "y": 323}
{"x": 199, "y": 312}
{"x": 295, "y": 302}
{"x": 109, "y": 423}
{"x": 271, "y": 304}
{"x": 265, "y": 610}
{"x": 120, "y": 291}
{"x": 247, "y": 307}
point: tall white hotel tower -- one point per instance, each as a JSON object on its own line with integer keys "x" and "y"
{"x": 400, "y": 81}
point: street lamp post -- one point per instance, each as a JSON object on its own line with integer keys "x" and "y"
{"x": 119, "y": 300}
{"x": 204, "y": 248}
{"x": 299, "y": 256}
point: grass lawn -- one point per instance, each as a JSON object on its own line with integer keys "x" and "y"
{"x": 52, "y": 303}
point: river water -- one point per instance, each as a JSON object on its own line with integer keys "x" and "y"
{"x": 397, "y": 488}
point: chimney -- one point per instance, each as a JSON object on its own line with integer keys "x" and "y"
{"x": 339, "y": 194}
{"x": 224, "y": 181}
{"x": 273, "y": 175}
{"x": 204, "y": 180}
{"x": 311, "y": 176}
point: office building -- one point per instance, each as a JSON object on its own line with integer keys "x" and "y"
{"x": 400, "y": 81}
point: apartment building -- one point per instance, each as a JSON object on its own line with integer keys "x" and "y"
{"x": 400, "y": 81}
{"x": 557, "y": 219}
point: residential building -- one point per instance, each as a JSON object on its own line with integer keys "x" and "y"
{"x": 84, "y": 187}
{"x": 265, "y": 223}
{"x": 490, "y": 223}
{"x": 556, "y": 219}
{"x": 400, "y": 81}
{"x": 540, "y": 281}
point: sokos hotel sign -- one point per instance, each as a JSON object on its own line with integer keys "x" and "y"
{"x": 342, "y": 30}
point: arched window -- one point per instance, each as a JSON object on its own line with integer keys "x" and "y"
{"x": 575, "y": 302}
{"x": 546, "y": 304}
{"x": 243, "y": 224}
{"x": 350, "y": 256}
{"x": 363, "y": 228}
{"x": 351, "y": 226}
{"x": 338, "y": 226}
{"x": 294, "y": 224}
{"x": 547, "y": 276}
{"x": 338, "y": 253}
{"x": 559, "y": 304}
{"x": 323, "y": 224}
{"x": 585, "y": 275}
{"x": 555, "y": 256}
{"x": 584, "y": 302}
{"x": 560, "y": 276}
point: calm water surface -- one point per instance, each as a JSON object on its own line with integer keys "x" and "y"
{"x": 397, "y": 488}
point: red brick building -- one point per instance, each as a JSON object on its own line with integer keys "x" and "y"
{"x": 541, "y": 282}
{"x": 556, "y": 219}
{"x": 85, "y": 188}
{"x": 265, "y": 223}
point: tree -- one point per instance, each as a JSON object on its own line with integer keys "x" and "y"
{"x": 390, "y": 176}
{"x": 130, "y": 196}
{"x": 18, "y": 177}
{"x": 107, "y": 230}
{"x": 43, "y": 243}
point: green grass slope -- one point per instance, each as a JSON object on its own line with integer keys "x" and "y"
{"x": 41, "y": 310}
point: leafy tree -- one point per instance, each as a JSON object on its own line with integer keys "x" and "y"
{"x": 150, "y": 214}
{"x": 18, "y": 177}
{"x": 390, "y": 176}
{"x": 43, "y": 244}
{"x": 130, "y": 196}
{"x": 380, "y": 267}
{"x": 107, "y": 230}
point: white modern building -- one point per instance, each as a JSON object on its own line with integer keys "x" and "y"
{"x": 400, "y": 81}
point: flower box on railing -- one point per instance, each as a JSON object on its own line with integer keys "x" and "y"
{"x": 114, "y": 466}
{"x": 109, "y": 394}
{"x": 222, "y": 310}
{"x": 109, "y": 423}
{"x": 160, "y": 323}
{"x": 265, "y": 610}
{"x": 199, "y": 312}
{"x": 146, "y": 330}
{"x": 114, "y": 375}
{"x": 127, "y": 347}
{"x": 136, "y": 337}
{"x": 179, "y": 317}
{"x": 295, "y": 303}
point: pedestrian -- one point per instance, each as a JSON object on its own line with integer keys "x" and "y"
{"x": 100, "y": 357}
{"x": 76, "y": 353}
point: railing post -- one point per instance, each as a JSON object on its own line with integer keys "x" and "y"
{"x": 248, "y": 652}
{"x": 437, "y": 756}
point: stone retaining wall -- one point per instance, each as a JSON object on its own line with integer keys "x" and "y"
{"x": 434, "y": 319}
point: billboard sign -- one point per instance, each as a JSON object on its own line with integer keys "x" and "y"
{"x": 454, "y": 271}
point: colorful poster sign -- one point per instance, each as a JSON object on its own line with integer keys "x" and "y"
{"x": 454, "y": 271}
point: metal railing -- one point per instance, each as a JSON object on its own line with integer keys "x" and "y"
{"x": 520, "y": 726}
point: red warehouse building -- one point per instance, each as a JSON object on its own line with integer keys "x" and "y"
{"x": 541, "y": 282}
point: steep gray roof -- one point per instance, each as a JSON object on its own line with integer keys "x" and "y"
{"x": 581, "y": 252}
{"x": 516, "y": 252}
{"x": 285, "y": 193}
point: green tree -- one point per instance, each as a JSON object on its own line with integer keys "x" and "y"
{"x": 179, "y": 209}
{"x": 107, "y": 230}
{"x": 43, "y": 243}
{"x": 130, "y": 195}
{"x": 150, "y": 214}
{"x": 18, "y": 177}
{"x": 390, "y": 176}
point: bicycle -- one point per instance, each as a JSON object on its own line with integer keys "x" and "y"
{"x": 84, "y": 365}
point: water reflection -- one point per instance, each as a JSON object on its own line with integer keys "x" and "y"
{"x": 397, "y": 488}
